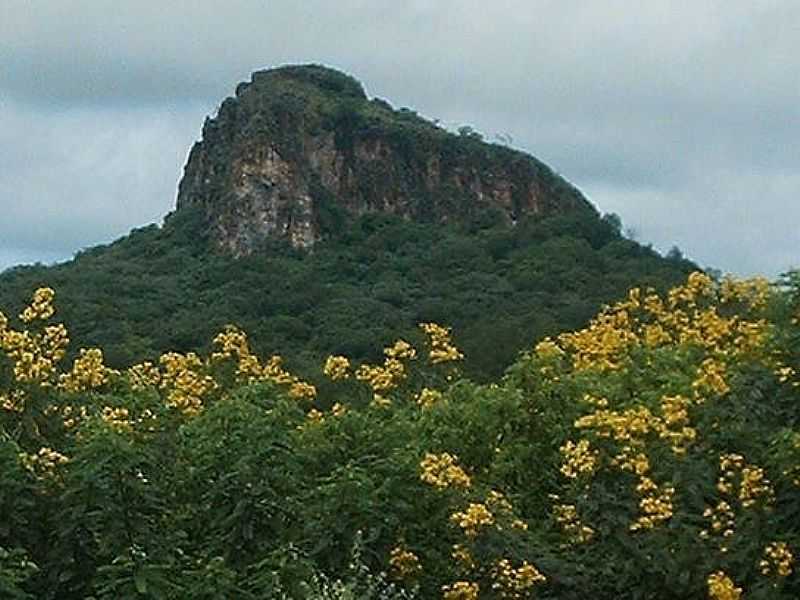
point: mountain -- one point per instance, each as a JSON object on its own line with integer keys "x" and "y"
{"x": 321, "y": 221}
{"x": 299, "y": 148}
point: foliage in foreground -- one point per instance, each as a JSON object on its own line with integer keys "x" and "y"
{"x": 653, "y": 454}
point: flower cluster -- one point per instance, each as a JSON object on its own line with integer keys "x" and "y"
{"x": 117, "y": 418}
{"x": 401, "y": 350}
{"x": 752, "y": 293}
{"x": 337, "y": 368}
{"x": 632, "y": 461}
{"x": 710, "y": 378}
{"x": 721, "y": 587}
{"x": 88, "y": 372}
{"x": 143, "y": 376}
{"x": 301, "y": 390}
{"x": 405, "y": 564}
{"x": 382, "y": 378}
{"x": 566, "y": 515}
{"x": 233, "y": 344}
{"x": 674, "y": 426}
{"x": 603, "y": 345}
{"x": 379, "y": 401}
{"x": 655, "y": 504}
{"x": 187, "y": 384}
{"x": 41, "y": 307}
{"x": 71, "y": 415}
{"x": 120, "y": 419}
{"x": 579, "y": 459}
{"x": 44, "y": 463}
{"x": 315, "y": 417}
{"x": 474, "y": 519}
{"x": 427, "y": 397}
{"x": 754, "y": 485}
{"x": 34, "y": 354}
{"x": 14, "y": 401}
{"x": 385, "y": 377}
{"x": 442, "y": 471}
{"x": 723, "y": 523}
{"x": 441, "y": 347}
{"x": 461, "y": 590}
{"x": 622, "y": 426}
{"x": 515, "y": 583}
{"x": 687, "y": 317}
{"x": 752, "y": 482}
{"x": 778, "y": 560}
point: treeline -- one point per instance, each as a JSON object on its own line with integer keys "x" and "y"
{"x": 373, "y": 279}
{"x": 653, "y": 454}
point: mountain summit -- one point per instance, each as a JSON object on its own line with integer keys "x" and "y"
{"x": 409, "y": 224}
{"x": 300, "y": 149}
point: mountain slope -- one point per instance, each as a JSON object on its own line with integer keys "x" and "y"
{"x": 498, "y": 246}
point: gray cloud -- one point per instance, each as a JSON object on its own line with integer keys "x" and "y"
{"x": 682, "y": 120}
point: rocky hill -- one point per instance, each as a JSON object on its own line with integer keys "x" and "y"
{"x": 408, "y": 223}
{"x": 300, "y": 148}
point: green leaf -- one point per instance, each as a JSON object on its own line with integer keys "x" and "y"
{"x": 140, "y": 581}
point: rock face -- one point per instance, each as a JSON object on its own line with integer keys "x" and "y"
{"x": 301, "y": 149}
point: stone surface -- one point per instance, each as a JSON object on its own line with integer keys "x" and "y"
{"x": 299, "y": 147}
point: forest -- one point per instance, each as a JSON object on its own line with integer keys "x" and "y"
{"x": 652, "y": 451}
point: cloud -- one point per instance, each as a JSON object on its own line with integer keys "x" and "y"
{"x": 81, "y": 177}
{"x": 677, "y": 118}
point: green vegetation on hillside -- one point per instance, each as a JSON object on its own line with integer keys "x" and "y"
{"x": 653, "y": 454}
{"x": 373, "y": 279}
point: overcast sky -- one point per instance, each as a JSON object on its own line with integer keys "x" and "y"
{"x": 681, "y": 117}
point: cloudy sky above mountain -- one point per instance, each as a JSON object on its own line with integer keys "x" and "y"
{"x": 683, "y": 118}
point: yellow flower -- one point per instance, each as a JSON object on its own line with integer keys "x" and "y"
{"x": 401, "y": 350}
{"x": 655, "y": 504}
{"x": 44, "y": 463}
{"x": 41, "y": 307}
{"x": 88, "y": 372}
{"x": 578, "y": 459}
{"x": 442, "y": 349}
{"x": 337, "y": 368}
{"x": 143, "y": 375}
{"x": 461, "y": 590}
{"x": 566, "y": 515}
{"x": 404, "y": 563}
{"x": 471, "y": 521}
{"x": 117, "y": 418}
{"x": 185, "y": 381}
{"x": 778, "y": 560}
{"x": 428, "y": 397}
{"x": 315, "y": 416}
{"x": 379, "y": 401}
{"x": 515, "y": 583}
{"x": 721, "y": 587}
{"x": 441, "y": 471}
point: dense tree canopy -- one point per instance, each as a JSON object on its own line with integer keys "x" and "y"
{"x": 654, "y": 453}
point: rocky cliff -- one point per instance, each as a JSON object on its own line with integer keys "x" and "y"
{"x": 300, "y": 149}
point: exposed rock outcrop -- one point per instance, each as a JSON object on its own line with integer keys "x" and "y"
{"x": 300, "y": 149}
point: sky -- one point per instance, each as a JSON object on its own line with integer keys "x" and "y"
{"x": 681, "y": 117}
